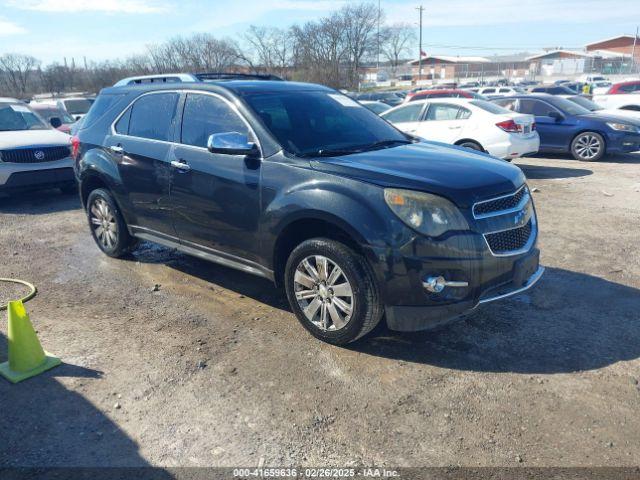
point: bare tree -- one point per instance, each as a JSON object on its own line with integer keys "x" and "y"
{"x": 16, "y": 70}
{"x": 360, "y": 23}
{"x": 271, "y": 47}
{"x": 396, "y": 42}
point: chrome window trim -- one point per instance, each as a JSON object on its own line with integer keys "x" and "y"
{"x": 231, "y": 105}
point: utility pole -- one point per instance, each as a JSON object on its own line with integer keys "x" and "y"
{"x": 420, "y": 9}
{"x": 378, "y": 57}
{"x": 633, "y": 51}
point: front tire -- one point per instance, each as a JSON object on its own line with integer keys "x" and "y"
{"x": 588, "y": 147}
{"x": 332, "y": 291}
{"x": 107, "y": 225}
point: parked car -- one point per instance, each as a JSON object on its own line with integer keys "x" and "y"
{"x": 475, "y": 124}
{"x": 389, "y": 98}
{"x": 624, "y": 95}
{"x": 304, "y": 186}
{"x": 492, "y": 92}
{"x": 77, "y": 107}
{"x": 589, "y": 78}
{"x": 600, "y": 88}
{"x": 565, "y": 126}
{"x": 554, "y": 90}
{"x": 594, "y": 107}
{"x": 376, "y": 107}
{"x": 444, "y": 93}
{"x": 32, "y": 152}
{"x": 55, "y": 116}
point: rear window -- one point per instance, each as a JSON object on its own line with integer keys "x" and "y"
{"x": 489, "y": 107}
{"x": 100, "y": 106}
{"x": 152, "y": 116}
{"x": 77, "y": 107}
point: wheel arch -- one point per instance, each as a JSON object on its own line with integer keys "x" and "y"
{"x": 469, "y": 140}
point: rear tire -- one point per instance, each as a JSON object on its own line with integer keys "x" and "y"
{"x": 332, "y": 291}
{"x": 470, "y": 144}
{"x": 588, "y": 147}
{"x": 107, "y": 225}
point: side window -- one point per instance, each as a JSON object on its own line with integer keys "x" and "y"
{"x": 488, "y": 90}
{"x": 439, "y": 112}
{"x": 122, "y": 125}
{"x": 152, "y": 116}
{"x": 509, "y": 104}
{"x": 205, "y": 115}
{"x": 535, "y": 107}
{"x": 410, "y": 113}
{"x": 463, "y": 113}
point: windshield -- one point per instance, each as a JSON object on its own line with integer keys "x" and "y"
{"x": 586, "y": 103}
{"x": 567, "y": 105}
{"x": 15, "y": 117}
{"x": 308, "y": 123}
{"x": 77, "y": 107}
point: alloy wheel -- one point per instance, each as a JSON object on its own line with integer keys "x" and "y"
{"x": 324, "y": 293}
{"x": 588, "y": 146}
{"x": 104, "y": 223}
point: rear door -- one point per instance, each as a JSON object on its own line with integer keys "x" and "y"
{"x": 216, "y": 197}
{"x": 140, "y": 148}
{"x": 444, "y": 122}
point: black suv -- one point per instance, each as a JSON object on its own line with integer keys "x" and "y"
{"x": 302, "y": 185}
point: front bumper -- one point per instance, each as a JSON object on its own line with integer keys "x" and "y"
{"x": 623, "y": 143}
{"x": 15, "y": 176}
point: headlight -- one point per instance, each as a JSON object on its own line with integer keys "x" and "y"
{"x": 622, "y": 127}
{"x": 428, "y": 214}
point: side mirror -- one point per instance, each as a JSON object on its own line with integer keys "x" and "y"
{"x": 557, "y": 116}
{"x": 231, "y": 143}
{"x": 55, "y": 122}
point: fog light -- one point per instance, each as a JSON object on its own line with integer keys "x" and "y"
{"x": 437, "y": 284}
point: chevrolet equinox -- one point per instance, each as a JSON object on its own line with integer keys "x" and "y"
{"x": 304, "y": 186}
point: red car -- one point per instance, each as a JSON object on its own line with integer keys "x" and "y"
{"x": 48, "y": 112}
{"x": 625, "y": 87}
{"x": 451, "y": 93}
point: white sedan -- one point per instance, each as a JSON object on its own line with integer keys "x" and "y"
{"x": 470, "y": 123}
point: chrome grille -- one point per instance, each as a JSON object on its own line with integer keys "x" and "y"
{"x": 509, "y": 241}
{"x": 507, "y": 202}
{"x": 34, "y": 155}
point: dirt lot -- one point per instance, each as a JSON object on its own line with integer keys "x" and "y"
{"x": 213, "y": 369}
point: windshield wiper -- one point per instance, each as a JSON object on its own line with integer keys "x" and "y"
{"x": 326, "y": 152}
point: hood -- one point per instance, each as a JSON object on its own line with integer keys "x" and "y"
{"x": 623, "y": 114}
{"x": 610, "y": 117}
{"x": 459, "y": 174}
{"x": 33, "y": 138}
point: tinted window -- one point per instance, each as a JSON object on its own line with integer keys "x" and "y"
{"x": 122, "y": 126}
{"x": 507, "y": 103}
{"x": 305, "y": 122}
{"x": 535, "y": 107}
{"x": 152, "y": 115}
{"x": 488, "y": 90}
{"x": 440, "y": 112}
{"x": 205, "y": 115}
{"x": 492, "y": 107}
{"x": 409, "y": 113}
{"x": 103, "y": 103}
{"x": 77, "y": 107}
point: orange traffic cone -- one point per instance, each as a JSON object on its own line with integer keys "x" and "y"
{"x": 26, "y": 356}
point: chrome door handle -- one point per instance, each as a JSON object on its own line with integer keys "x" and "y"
{"x": 180, "y": 165}
{"x": 117, "y": 149}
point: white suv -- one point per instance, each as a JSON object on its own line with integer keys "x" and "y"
{"x": 32, "y": 152}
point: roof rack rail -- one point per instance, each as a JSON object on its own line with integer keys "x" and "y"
{"x": 157, "y": 78}
{"x": 235, "y": 76}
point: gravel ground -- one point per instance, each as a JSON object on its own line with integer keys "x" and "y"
{"x": 213, "y": 369}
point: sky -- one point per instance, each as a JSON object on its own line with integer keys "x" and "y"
{"x": 107, "y": 29}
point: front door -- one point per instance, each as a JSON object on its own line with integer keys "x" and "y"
{"x": 140, "y": 148}
{"x": 215, "y": 197}
{"x": 443, "y": 122}
{"x": 406, "y": 117}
